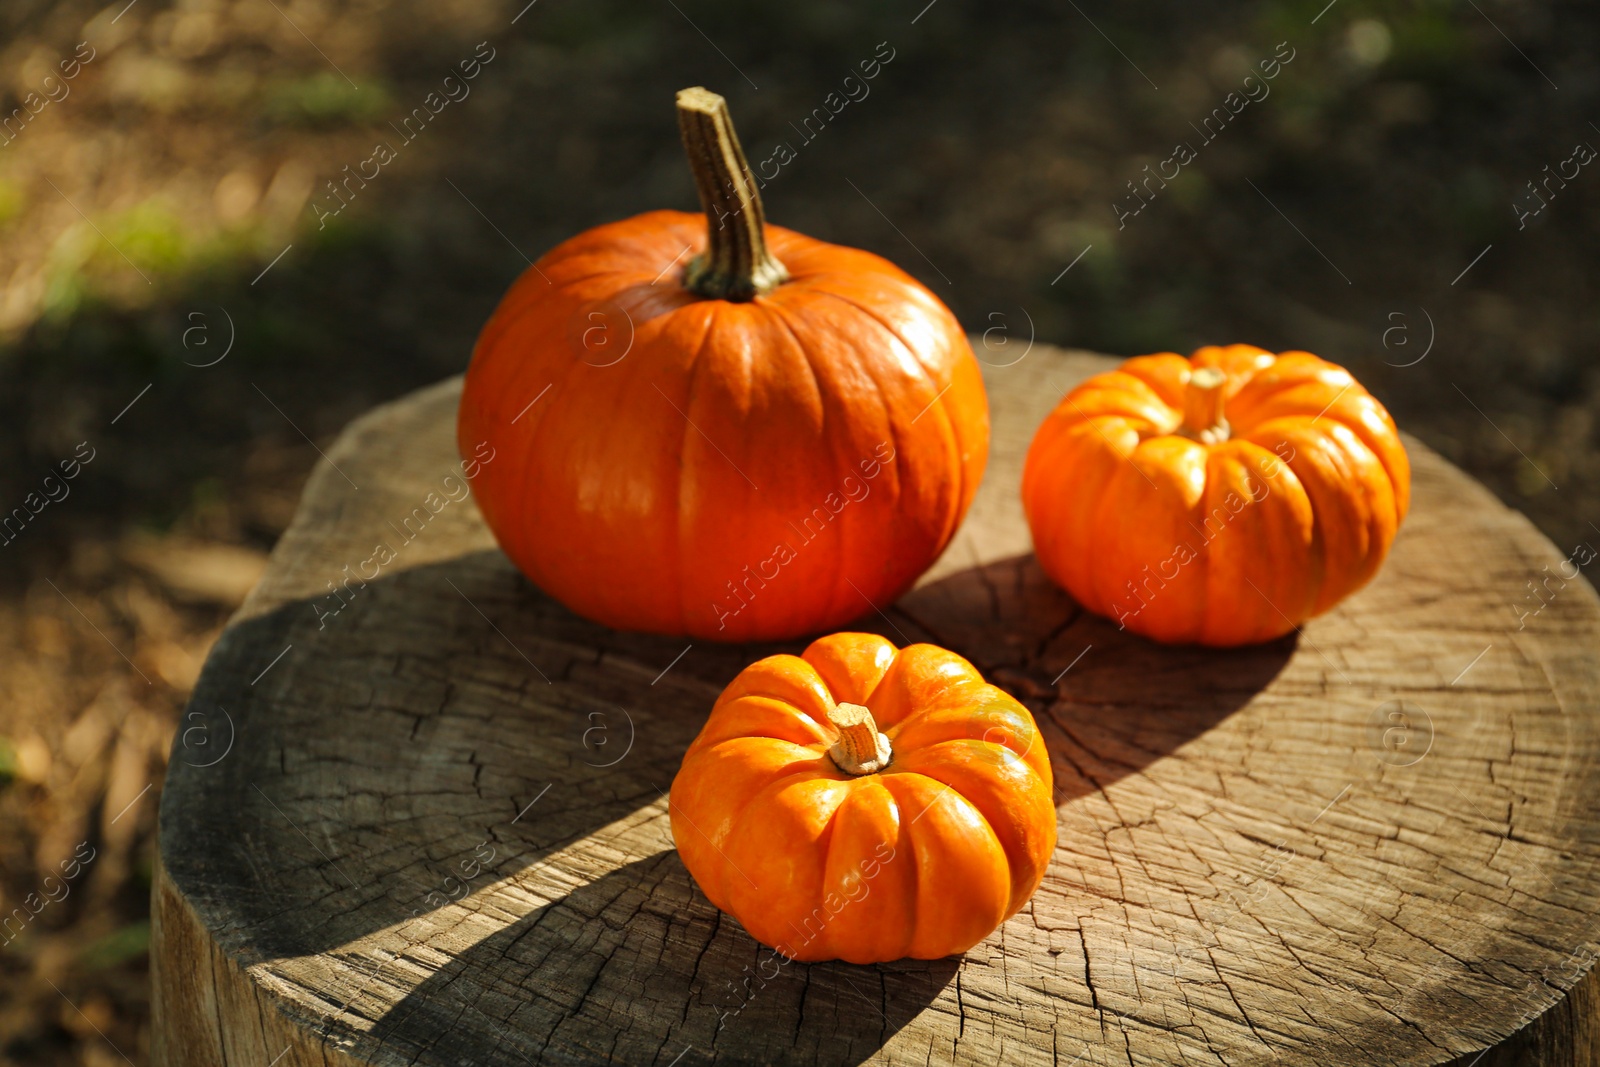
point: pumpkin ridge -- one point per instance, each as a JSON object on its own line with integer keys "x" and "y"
{"x": 1318, "y": 582}
{"x": 826, "y": 843}
{"x": 1279, "y": 406}
{"x": 810, "y": 762}
{"x": 1147, "y": 369}
{"x": 1363, "y": 433}
{"x": 834, "y": 655}
{"x": 1339, "y": 454}
{"x": 919, "y": 844}
{"x": 999, "y": 752}
{"x": 1320, "y": 519}
{"x": 1255, "y": 416}
{"x": 1110, "y": 382}
{"x": 805, "y": 763}
{"x": 1250, "y": 529}
{"x": 682, "y": 534}
{"x": 554, "y": 261}
{"x": 1097, "y": 421}
{"x": 768, "y": 795}
{"x": 873, "y": 316}
{"x": 952, "y": 435}
{"x": 868, "y": 822}
{"x": 1144, "y": 428}
{"x": 841, "y": 521}
{"x": 771, "y": 704}
{"x": 1106, "y": 541}
{"x": 1049, "y": 463}
{"x": 1093, "y": 548}
{"x": 1015, "y": 860}
{"x": 1203, "y": 565}
{"x": 704, "y": 819}
{"x": 601, "y": 243}
{"x": 819, "y": 261}
{"x": 617, "y": 273}
{"x": 781, "y": 315}
{"x": 1267, "y": 393}
{"x": 889, "y": 422}
{"x": 787, "y": 662}
{"x": 989, "y": 701}
{"x": 525, "y": 500}
{"x": 775, "y": 698}
{"x": 907, "y": 838}
{"x": 520, "y": 299}
{"x": 501, "y": 323}
{"x": 997, "y": 700}
{"x": 867, "y": 700}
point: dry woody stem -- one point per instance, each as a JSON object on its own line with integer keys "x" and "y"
{"x": 861, "y": 749}
{"x": 1203, "y": 419}
{"x": 736, "y": 264}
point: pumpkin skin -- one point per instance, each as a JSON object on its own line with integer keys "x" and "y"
{"x": 748, "y": 470}
{"x": 1216, "y": 541}
{"x": 923, "y": 858}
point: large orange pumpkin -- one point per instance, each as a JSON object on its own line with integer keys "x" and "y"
{"x": 1222, "y": 499}
{"x": 754, "y": 436}
{"x": 863, "y": 803}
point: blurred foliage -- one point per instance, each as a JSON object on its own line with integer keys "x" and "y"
{"x": 327, "y": 99}
{"x": 12, "y": 200}
{"x": 118, "y": 947}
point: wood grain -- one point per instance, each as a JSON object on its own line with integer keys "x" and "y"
{"x": 1257, "y": 863}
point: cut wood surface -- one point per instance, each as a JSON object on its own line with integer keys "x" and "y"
{"x": 423, "y": 819}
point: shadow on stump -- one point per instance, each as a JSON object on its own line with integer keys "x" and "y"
{"x": 446, "y": 701}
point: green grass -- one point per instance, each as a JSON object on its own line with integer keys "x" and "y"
{"x": 327, "y": 99}
{"x": 127, "y": 943}
{"x": 12, "y": 200}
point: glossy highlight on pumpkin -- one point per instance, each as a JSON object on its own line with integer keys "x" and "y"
{"x": 923, "y": 858}
{"x": 1220, "y": 500}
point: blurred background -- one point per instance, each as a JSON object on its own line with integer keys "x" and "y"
{"x": 1410, "y": 195}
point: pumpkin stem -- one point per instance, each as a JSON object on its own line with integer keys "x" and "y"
{"x": 736, "y": 264}
{"x": 861, "y": 749}
{"x": 1203, "y": 420}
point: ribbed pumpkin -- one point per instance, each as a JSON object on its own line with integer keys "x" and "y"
{"x": 864, "y": 803}
{"x": 1220, "y": 500}
{"x": 752, "y": 436}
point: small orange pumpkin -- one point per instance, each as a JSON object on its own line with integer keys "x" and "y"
{"x": 1222, "y": 499}
{"x": 738, "y": 444}
{"x": 863, "y": 803}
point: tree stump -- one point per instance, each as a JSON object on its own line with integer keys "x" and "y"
{"x": 422, "y": 818}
